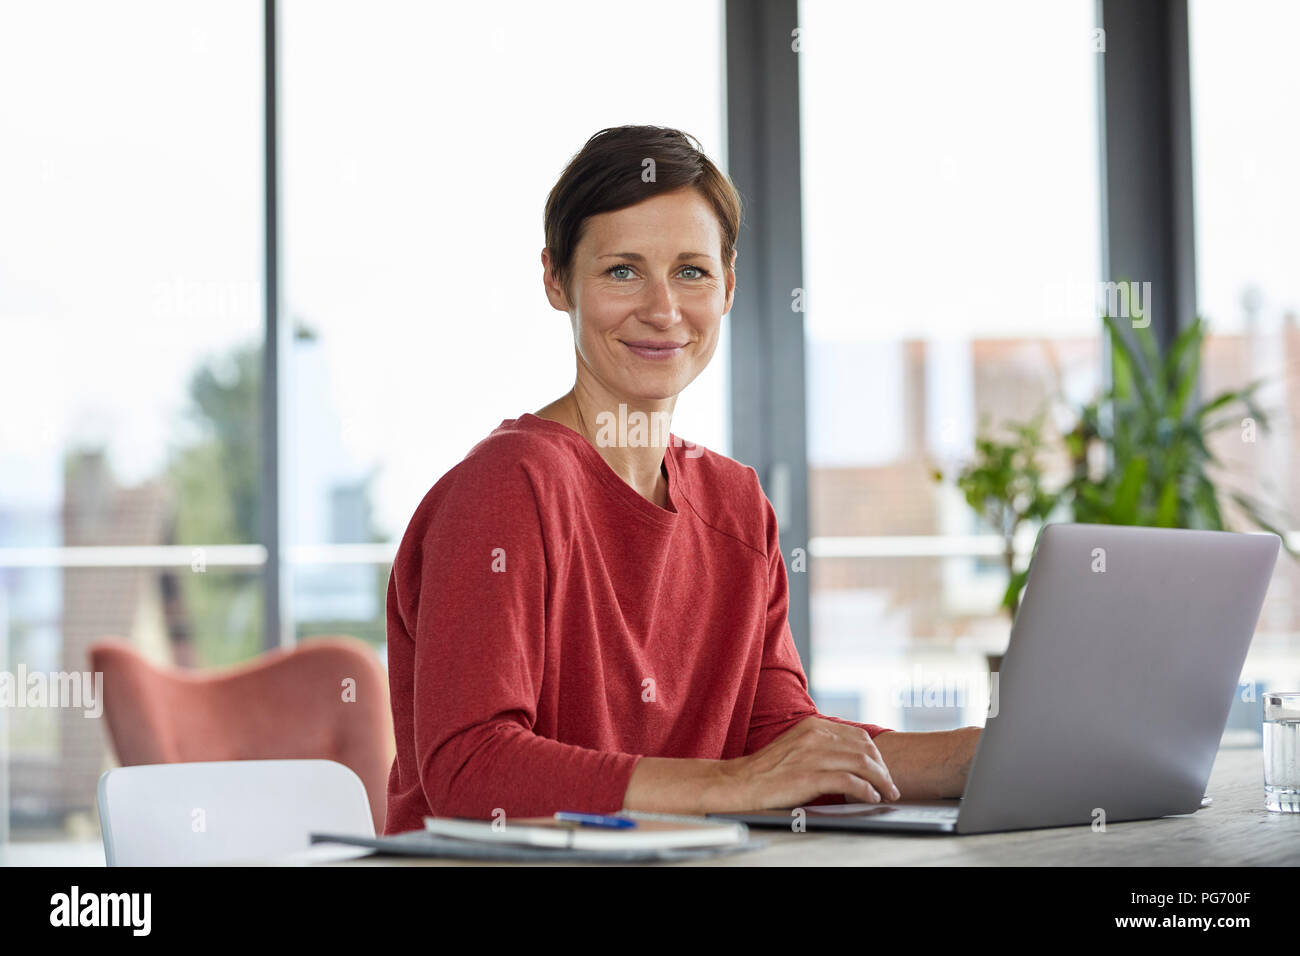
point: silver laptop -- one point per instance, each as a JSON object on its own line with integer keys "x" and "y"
{"x": 1114, "y": 691}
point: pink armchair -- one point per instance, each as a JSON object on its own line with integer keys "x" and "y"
{"x": 327, "y": 697}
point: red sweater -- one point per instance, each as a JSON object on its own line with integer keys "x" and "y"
{"x": 547, "y": 626}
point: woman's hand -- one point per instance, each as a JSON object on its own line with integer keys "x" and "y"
{"x": 814, "y": 757}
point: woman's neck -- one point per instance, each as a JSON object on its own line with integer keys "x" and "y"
{"x": 631, "y": 440}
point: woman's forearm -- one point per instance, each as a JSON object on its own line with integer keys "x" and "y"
{"x": 924, "y": 766}
{"x": 676, "y": 785}
{"x": 930, "y": 765}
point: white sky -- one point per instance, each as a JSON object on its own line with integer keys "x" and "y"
{"x": 1246, "y": 147}
{"x": 950, "y": 168}
{"x": 950, "y": 188}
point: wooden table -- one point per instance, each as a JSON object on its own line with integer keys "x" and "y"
{"x": 1235, "y": 831}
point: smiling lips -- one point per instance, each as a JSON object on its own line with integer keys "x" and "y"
{"x": 656, "y": 351}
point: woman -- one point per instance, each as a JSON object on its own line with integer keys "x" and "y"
{"x": 587, "y": 614}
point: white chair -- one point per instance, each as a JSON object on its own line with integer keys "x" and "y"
{"x": 176, "y": 814}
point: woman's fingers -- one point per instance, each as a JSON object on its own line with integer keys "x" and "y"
{"x": 848, "y": 784}
{"x": 856, "y": 745}
{"x": 872, "y": 772}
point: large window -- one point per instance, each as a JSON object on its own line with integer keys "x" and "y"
{"x": 130, "y": 349}
{"x": 951, "y": 247}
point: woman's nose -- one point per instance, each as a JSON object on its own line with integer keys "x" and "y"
{"x": 662, "y": 304}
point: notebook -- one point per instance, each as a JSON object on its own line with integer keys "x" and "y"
{"x": 652, "y": 832}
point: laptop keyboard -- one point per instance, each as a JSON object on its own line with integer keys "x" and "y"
{"x": 874, "y": 809}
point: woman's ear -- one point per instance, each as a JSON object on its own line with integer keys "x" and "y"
{"x": 554, "y": 293}
{"x": 731, "y": 284}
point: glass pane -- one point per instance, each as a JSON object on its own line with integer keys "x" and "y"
{"x": 951, "y": 255}
{"x": 130, "y": 323}
{"x": 1246, "y": 134}
{"x": 343, "y": 598}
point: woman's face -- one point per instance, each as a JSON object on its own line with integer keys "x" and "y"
{"x": 649, "y": 293}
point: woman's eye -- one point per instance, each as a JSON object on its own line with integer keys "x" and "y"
{"x": 613, "y": 269}
{"x": 696, "y": 269}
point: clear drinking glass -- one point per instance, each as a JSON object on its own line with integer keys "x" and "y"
{"x": 1282, "y": 752}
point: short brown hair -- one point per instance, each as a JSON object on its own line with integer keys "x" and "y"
{"x": 606, "y": 175}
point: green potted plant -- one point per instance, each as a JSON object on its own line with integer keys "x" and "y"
{"x": 1152, "y": 433}
{"x": 1155, "y": 434}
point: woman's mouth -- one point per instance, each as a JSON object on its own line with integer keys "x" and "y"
{"x": 656, "y": 351}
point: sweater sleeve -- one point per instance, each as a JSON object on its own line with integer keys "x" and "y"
{"x": 781, "y": 699}
{"x": 480, "y": 642}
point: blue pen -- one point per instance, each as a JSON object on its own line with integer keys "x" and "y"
{"x": 595, "y": 820}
